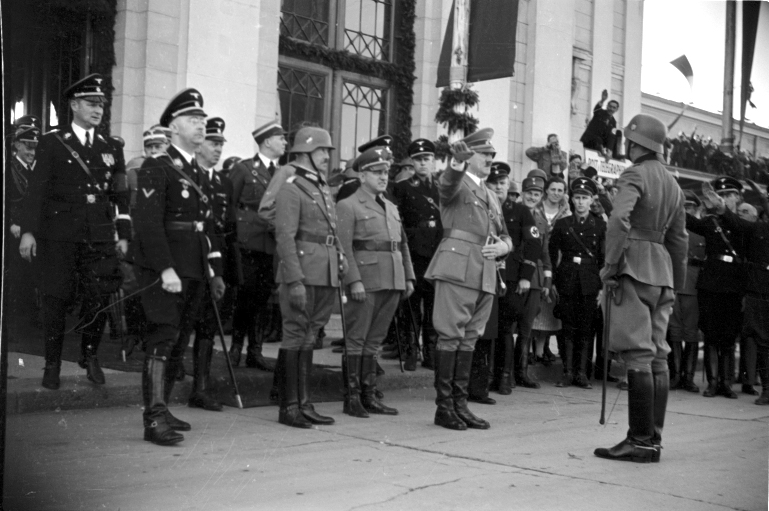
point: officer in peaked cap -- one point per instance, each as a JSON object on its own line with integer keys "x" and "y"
{"x": 725, "y": 184}
{"x": 74, "y": 188}
{"x": 383, "y": 142}
{"x": 28, "y": 120}
{"x": 256, "y": 245}
{"x": 380, "y": 141}
{"x": 176, "y": 252}
{"x": 311, "y": 265}
{"x": 474, "y": 236}
{"x": 228, "y": 164}
{"x": 370, "y": 228}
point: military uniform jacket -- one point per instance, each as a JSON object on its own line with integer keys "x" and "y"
{"x": 417, "y": 202}
{"x": 17, "y": 177}
{"x": 522, "y": 263}
{"x": 306, "y": 231}
{"x": 544, "y": 264}
{"x": 362, "y": 220}
{"x": 572, "y": 277}
{"x": 718, "y": 276}
{"x": 250, "y": 179}
{"x": 469, "y": 208}
{"x": 756, "y": 236}
{"x": 647, "y": 235}
{"x": 695, "y": 263}
{"x": 164, "y": 203}
{"x": 65, "y": 203}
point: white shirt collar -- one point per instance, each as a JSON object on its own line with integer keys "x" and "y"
{"x": 80, "y": 133}
{"x": 475, "y": 178}
{"x": 265, "y": 160}
{"x": 22, "y": 162}
{"x": 187, "y": 156}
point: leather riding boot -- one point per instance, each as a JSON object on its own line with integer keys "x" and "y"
{"x": 521, "y": 354}
{"x": 168, "y": 387}
{"x": 567, "y": 358}
{"x": 464, "y": 360}
{"x": 637, "y": 447}
{"x": 51, "y": 373}
{"x": 661, "y": 389}
{"x": 689, "y": 366}
{"x": 236, "y": 349}
{"x": 478, "y": 388}
{"x": 280, "y": 368}
{"x": 156, "y": 427}
{"x": 762, "y": 367}
{"x": 726, "y": 376}
{"x": 254, "y": 357}
{"x": 290, "y": 414}
{"x": 748, "y": 354}
{"x": 445, "y": 415}
{"x": 352, "y": 377}
{"x": 674, "y": 364}
{"x": 369, "y": 399}
{"x": 410, "y": 355}
{"x": 710, "y": 361}
{"x": 88, "y": 360}
{"x": 305, "y": 371}
{"x": 201, "y": 396}
{"x": 582, "y": 357}
{"x": 428, "y": 349}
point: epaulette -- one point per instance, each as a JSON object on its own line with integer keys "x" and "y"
{"x": 100, "y": 137}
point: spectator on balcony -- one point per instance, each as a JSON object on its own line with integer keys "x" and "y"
{"x": 601, "y": 133}
{"x": 575, "y": 167}
{"x": 549, "y": 158}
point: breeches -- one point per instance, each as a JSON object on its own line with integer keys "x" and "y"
{"x": 300, "y": 327}
{"x": 460, "y": 315}
{"x": 685, "y": 319}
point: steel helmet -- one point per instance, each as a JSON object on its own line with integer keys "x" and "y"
{"x": 310, "y": 138}
{"x": 647, "y": 131}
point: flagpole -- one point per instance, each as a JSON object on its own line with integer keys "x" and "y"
{"x": 727, "y": 128}
{"x": 458, "y": 69}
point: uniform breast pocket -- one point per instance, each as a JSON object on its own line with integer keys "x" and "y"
{"x": 452, "y": 260}
{"x": 367, "y": 223}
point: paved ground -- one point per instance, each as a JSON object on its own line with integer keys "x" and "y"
{"x": 538, "y": 455}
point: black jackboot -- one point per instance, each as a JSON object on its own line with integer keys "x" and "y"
{"x": 156, "y": 427}
{"x": 726, "y": 372}
{"x": 521, "y": 355}
{"x": 675, "y": 365}
{"x": 201, "y": 396}
{"x": 89, "y": 361}
{"x": 369, "y": 400}
{"x": 168, "y": 387}
{"x": 661, "y": 390}
{"x": 445, "y": 415}
{"x": 710, "y": 360}
{"x": 637, "y": 447}
{"x": 280, "y": 369}
{"x": 748, "y": 354}
{"x": 464, "y": 360}
{"x": 762, "y": 368}
{"x": 428, "y": 349}
{"x": 478, "y": 389}
{"x": 582, "y": 355}
{"x": 53, "y": 328}
{"x": 352, "y": 378}
{"x": 689, "y": 366}
{"x": 236, "y": 349}
{"x": 254, "y": 357}
{"x": 566, "y": 358}
{"x": 502, "y": 380}
{"x": 290, "y": 414}
{"x": 305, "y": 370}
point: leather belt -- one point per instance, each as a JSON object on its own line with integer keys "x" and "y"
{"x": 471, "y": 237}
{"x": 727, "y": 258}
{"x": 90, "y": 198}
{"x": 376, "y": 246}
{"x": 581, "y": 260}
{"x": 185, "y": 226}
{"x": 646, "y": 235}
{"x": 328, "y": 240}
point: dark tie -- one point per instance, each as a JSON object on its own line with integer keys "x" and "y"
{"x": 271, "y": 169}
{"x": 88, "y": 139}
{"x": 380, "y": 202}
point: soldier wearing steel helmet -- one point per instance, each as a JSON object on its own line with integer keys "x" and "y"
{"x": 311, "y": 266}
{"x": 646, "y": 253}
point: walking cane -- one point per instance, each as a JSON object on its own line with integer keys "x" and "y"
{"x": 609, "y": 295}
{"x": 224, "y": 349}
{"x": 413, "y": 323}
{"x": 398, "y": 341}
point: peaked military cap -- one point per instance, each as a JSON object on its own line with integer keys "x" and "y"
{"x": 27, "y": 134}
{"x": 266, "y": 131}
{"x": 230, "y": 162}
{"x": 91, "y": 85}
{"x": 725, "y": 184}
{"x": 533, "y": 183}
{"x": 27, "y": 121}
{"x": 690, "y": 198}
{"x": 119, "y": 141}
{"x": 186, "y": 102}
{"x": 154, "y": 136}
{"x": 163, "y": 129}
{"x": 380, "y": 141}
{"x": 480, "y": 141}
{"x": 373, "y": 157}
{"x": 513, "y": 190}
{"x": 583, "y": 185}
{"x": 499, "y": 169}
{"x": 421, "y": 146}
{"x": 215, "y": 129}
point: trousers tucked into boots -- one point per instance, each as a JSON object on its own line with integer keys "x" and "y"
{"x": 352, "y": 379}
{"x": 445, "y": 414}
{"x": 154, "y": 378}
{"x": 478, "y": 389}
{"x": 464, "y": 360}
{"x": 522, "y": 346}
{"x": 369, "y": 399}
{"x": 201, "y": 396}
{"x": 502, "y": 380}
{"x": 305, "y": 371}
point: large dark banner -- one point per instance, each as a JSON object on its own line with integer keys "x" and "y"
{"x": 491, "y": 52}
{"x": 750, "y": 11}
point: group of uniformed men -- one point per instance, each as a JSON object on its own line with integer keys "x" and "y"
{"x": 456, "y": 254}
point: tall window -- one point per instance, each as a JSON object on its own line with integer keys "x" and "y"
{"x": 302, "y": 94}
{"x": 306, "y": 20}
{"x": 367, "y": 28}
{"x": 363, "y": 116}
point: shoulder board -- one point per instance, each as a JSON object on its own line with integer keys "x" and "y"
{"x": 100, "y": 137}
{"x": 291, "y": 179}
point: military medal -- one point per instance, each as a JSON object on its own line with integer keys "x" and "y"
{"x": 178, "y": 162}
{"x": 106, "y": 186}
{"x": 109, "y": 160}
{"x": 431, "y": 223}
{"x": 185, "y": 194}
{"x": 90, "y": 198}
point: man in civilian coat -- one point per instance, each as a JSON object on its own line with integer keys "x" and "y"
{"x": 70, "y": 224}
{"x": 380, "y": 275}
{"x": 464, "y": 273}
{"x": 646, "y": 252}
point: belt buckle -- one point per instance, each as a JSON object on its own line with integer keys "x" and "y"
{"x": 727, "y": 259}
{"x": 330, "y": 240}
{"x": 393, "y": 246}
{"x": 90, "y": 198}
{"x": 577, "y": 260}
{"x": 198, "y": 226}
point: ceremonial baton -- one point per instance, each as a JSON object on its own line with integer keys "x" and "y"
{"x": 224, "y": 348}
